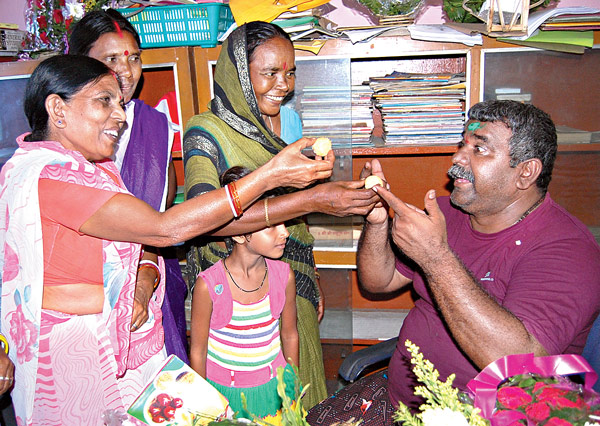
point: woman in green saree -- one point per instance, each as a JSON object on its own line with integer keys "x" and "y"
{"x": 246, "y": 126}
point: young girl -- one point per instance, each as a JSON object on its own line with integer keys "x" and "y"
{"x": 244, "y": 319}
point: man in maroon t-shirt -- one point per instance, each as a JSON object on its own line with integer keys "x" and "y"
{"x": 500, "y": 268}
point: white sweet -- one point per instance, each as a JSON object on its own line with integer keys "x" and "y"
{"x": 322, "y": 146}
{"x": 373, "y": 180}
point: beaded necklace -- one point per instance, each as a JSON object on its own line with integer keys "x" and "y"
{"x": 244, "y": 290}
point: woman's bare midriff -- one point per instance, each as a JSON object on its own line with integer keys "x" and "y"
{"x": 75, "y": 299}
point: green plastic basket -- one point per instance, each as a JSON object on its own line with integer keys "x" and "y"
{"x": 181, "y": 25}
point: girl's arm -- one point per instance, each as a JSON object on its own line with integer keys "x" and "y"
{"x": 289, "y": 330}
{"x": 200, "y": 325}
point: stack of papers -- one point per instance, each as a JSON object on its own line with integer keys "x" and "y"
{"x": 421, "y": 108}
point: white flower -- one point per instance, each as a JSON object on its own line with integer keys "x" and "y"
{"x": 76, "y": 9}
{"x": 443, "y": 417}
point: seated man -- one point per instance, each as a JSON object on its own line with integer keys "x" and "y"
{"x": 500, "y": 268}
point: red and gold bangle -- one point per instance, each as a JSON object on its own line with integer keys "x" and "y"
{"x": 146, "y": 263}
{"x": 236, "y": 199}
{"x": 230, "y": 200}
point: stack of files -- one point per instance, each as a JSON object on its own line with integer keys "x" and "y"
{"x": 326, "y": 111}
{"x": 362, "y": 115}
{"x": 296, "y": 24}
{"x": 397, "y": 20}
{"x": 303, "y": 25}
{"x": 420, "y": 108}
{"x": 577, "y": 22}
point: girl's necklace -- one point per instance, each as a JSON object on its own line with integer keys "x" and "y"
{"x": 244, "y": 290}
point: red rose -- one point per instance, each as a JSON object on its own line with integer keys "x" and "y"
{"x": 513, "y": 397}
{"x": 555, "y": 421}
{"x": 44, "y": 37}
{"x": 40, "y": 4}
{"x": 538, "y": 386}
{"x": 68, "y": 22}
{"x": 537, "y": 411}
{"x": 562, "y": 402}
{"x": 61, "y": 3}
{"x": 58, "y": 16}
{"x": 549, "y": 395}
{"x": 41, "y": 20}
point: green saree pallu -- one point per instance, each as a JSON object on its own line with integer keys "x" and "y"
{"x": 233, "y": 133}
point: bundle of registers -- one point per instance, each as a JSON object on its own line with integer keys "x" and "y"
{"x": 177, "y": 395}
{"x": 420, "y": 108}
{"x": 345, "y": 112}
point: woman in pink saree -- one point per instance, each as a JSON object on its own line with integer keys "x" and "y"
{"x": 70, "y": 237}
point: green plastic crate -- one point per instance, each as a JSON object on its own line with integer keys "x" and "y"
{"x": 181, "y": 25}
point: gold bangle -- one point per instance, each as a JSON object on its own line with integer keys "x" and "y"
{"x": 4, "y": 343}
{"x": 266, "y": 203}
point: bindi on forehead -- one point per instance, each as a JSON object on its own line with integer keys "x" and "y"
{"x": 126, "y": 53}
{"x": 285, "y": 66}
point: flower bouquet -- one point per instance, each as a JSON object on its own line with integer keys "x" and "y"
{"x": 515, "y": 390}
{"x": 49, "y": 21}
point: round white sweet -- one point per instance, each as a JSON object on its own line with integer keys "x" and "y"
{"x": 322, "y": 146}
{"x": 373, "y": 180}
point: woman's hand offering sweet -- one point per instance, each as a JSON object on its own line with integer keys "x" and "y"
{"x": 343, "y": 198}
{"x": 292, "y": 168}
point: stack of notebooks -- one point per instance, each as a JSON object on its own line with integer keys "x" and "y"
{"x": 420, "y": 108}
{"x": 325, "y": 111}
{"x": 344, "y": 116}
{"x": 362, "y": 115}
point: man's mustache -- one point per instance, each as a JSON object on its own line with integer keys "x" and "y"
{"x": 457, "y": 172}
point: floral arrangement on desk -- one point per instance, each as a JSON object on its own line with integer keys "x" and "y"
{"x": 526, "y": 398}
{"x": 48, "y": 23}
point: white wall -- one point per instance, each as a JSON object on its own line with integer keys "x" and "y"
{"x": 13, "y": 12}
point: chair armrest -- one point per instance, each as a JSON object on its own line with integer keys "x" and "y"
{"x": 356, "y": 362}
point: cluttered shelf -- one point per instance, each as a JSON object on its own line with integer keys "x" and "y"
{"x": 450, "y": 149}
